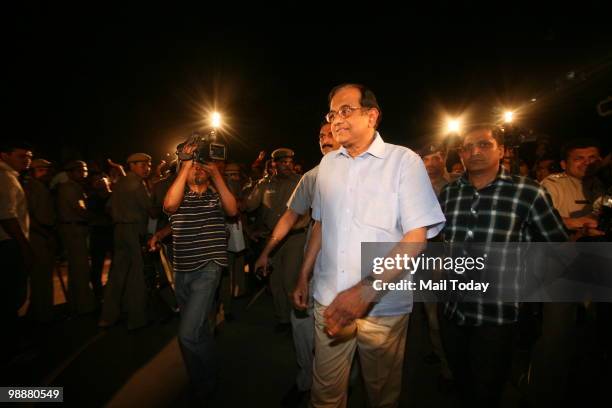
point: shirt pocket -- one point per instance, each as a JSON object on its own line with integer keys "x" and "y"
{"x": 376, "y": 207}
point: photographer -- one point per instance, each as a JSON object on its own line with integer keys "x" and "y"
{"x": 197, "y": 201}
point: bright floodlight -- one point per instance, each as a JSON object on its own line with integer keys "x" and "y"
{"x": 453, "y": 126}
{"x": 508, "y": 116}
{"x": 216, "y": 119}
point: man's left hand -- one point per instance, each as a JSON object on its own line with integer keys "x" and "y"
{"x": 153, "y": 243}
{"x": 348, "y": 305}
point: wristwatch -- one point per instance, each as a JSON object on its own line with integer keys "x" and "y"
{"x": 368, "y": 281}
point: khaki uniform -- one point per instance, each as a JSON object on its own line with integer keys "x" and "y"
{"x": 74, "y": 233}
{"x": 556, "y": 347}
{"x": 446, "y": 178}
{"x": 42, "y": 240}
{"x": 271, "y": 196}
{"x": 129, "y": 205}
{"x": 570, "y": 196}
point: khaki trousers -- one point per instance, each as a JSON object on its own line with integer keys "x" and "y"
{"x": 381, "y": 342}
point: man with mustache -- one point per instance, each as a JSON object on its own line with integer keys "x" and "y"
{"x": 301, "y": 321}
{"x": 270, "y": 195}
{"x": 572, "y": 196}
{"x": 573, "y": 193}
{"x": 486, "y": 204}
{"x": 366, "y": 191}
{"x": 130, "y": 207}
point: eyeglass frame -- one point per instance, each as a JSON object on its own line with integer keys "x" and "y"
{"x": 351, "y": 109}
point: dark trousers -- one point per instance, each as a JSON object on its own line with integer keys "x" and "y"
{"x": 480, "y": 359}
{"x": 126, "y": 283}
{"x": 286, "y": 263}
{"x": 15, "y": 287}
{"x": 100, "y": 243}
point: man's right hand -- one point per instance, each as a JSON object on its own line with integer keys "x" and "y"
{"x": 261, "y": 262}
{"x": 185, "y": 153}
{"x": 300, "y": 295}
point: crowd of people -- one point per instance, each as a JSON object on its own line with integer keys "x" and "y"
{"x": 210, "y": 231}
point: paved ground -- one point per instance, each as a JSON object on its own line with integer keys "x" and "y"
{"x": 143, "y": 368}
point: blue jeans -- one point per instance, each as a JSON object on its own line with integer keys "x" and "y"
{"x": 195, "y": 294}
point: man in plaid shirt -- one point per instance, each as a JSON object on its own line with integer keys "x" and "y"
{"x": 486, "y": 204}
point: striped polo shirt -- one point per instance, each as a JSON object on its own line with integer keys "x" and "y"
{"x": 198, "y": 232}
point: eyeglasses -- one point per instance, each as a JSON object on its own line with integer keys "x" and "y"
{"x": 345, "y": 111}
{"x": 469, "y": 148}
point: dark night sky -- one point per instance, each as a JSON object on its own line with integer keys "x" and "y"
{"x": 108, "y": 85}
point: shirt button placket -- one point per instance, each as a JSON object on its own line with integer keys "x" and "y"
{"x": 474, "y": 213}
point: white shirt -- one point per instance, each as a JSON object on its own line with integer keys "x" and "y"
{"x": 378, "y": 196}
{"x": 13, "y": 202}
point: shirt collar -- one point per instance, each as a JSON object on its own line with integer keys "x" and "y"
{"x": 502, "y": 175}
{"x": 376, "y": 148}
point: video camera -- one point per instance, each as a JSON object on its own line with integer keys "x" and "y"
{"x": 514, "y": 136}
{"x": 207, "y": 150}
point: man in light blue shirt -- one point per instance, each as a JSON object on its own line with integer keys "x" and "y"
{"x": 367, "y": 191}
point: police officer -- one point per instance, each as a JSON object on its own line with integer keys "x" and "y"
{"x": 42, "y": 240}
{"x": 73, "y": 228}
{"x": 130, "y": 204}
{"x": 271, "y": 195}
{"x": 434, "y": 158}
{"x": 573, "y": 192}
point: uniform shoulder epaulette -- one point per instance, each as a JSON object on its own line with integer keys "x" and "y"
{"x": 557, "y": 177}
